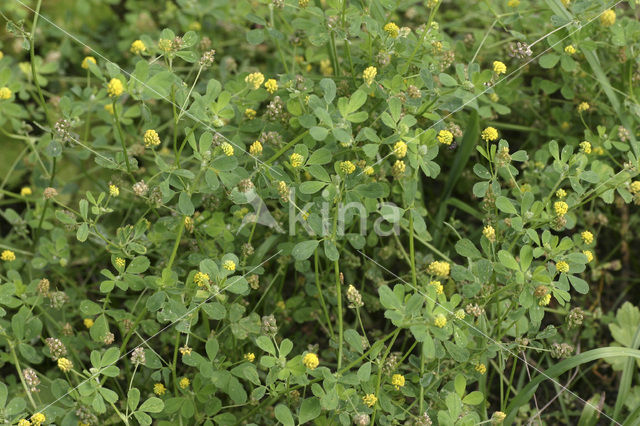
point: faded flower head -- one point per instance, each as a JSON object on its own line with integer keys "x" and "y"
{"x": 57, "y": 349}
{"x": 138, "y": 356}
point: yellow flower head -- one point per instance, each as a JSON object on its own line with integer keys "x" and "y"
{"x": 250, "y": 356}
{"x": 120, "y": 262}
{"x": 255, "y": 80}
{"x": 24, "y": 422}
{"x": 587, "y": 237}
{"x": 585, "y": 147}
{"x": 159, "y": 389}
{"x": 397, "y": 380}
{"x": 8, "y": 256}
{"x": 608, "y": 18}
{"x": 227, "y": 148}
{"x": 86, "y": 60}
{"x": 398, "y": 168}
{"x": 369, "y": 74}
{"x": 489, "y": 232}
{"x": 229, "y": 265}
{"x": 109, "y": 108}
{"x": 498, "y": 417}
{"x": 439, "y": 268}
{"x": 311, "y": 361}
{"x": 64, "y": 364}
{"x": 513, "y": 3}
{"x": 165, "y": 45}
{"x": 440, "y": 321}
{"x": 25, "y": 191}
{"x": 37, "y": 419}
{"x": 544, "y": 300}
{"x": 114, "y": 191}
{"x": 271, "y": 85}
{"x": 201, "y": 279}
{"x": 561, "y": 208}
{"x": 250, "y": 113}
{"x": 570, "y": 49}
{"x": 489, "y": 134}
{"x": 138, "y": 47}
{"x": 562, "y": 266}
{"x": 5, "y": 93}
{"x": 184, "y": 383}
{"x": 368, "y": 170}
{"x": 589, "y": 255}
{"x": 391, "y": 29}
{"x": 499, "y": 67}
{"x": 347, "y": 167}
{"x": 445, "y": 137}
{"x": 437, "y": 286}
{"x": 481, "y": 368}
{"x": 151, "y": 138}
{"x": 296, "y": 160}
{"x": 255, "y": 149}
{"x": 325, "y": 67}
{"x": 115, "y": 88}
{"x": 369, "y": 400}
{"x": 634, "y": 187}
{"x": 561, "y": 193}
{"x": 400, "y": 149}
{"x": 583, "y": 106}
{"x": 88, "y": 322}
{"x": 459, "y": 314}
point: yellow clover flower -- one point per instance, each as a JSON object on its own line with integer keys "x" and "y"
{"x": 255, "y": 149}
{"x": 271, "y": 85}
{"x": 499, "y": 67}
{"x": 311, "y": 361}
{"x": 369, "y": 74}
{"x": 255, "y": 80}
{"x": 64, "y": 364}
{"x": 86, "y": 60}
{"x": 400, "y": 149}
{"x": 489, "y": 134}
{"x": 608, "y": 18}
{"x": 8, "y": 256}
{"x": 369, "y": 400}
{"x": 151, "y": 138}
{"x": 5, "y": 93}
{"x": 159, "y": 389}
{"x": 229, "y": 265}
{"x": 115, "y": 88}
{"x": 391, "y": 29}
{"x": 562, "y": 266}
{"x": 138, "y": 47}
{"x": 445, "y": 137}
{"x": 397, "y": 380}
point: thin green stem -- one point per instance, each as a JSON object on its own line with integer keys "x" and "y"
{"x": 122, "y": 141}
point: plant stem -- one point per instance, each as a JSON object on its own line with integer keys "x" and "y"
{"x": 122, "y": 142}
{"x": 322, "y": 302}
{"x": 336, "y": 268}
{"x": 379, "y": 380}
{"x": 32, "y": 57}
{"x": 19, "y": 369}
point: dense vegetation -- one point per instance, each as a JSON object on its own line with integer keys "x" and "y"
{"x": 319, "y": 211}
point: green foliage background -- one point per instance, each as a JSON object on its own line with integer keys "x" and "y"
{"x": 176, "y": 247}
